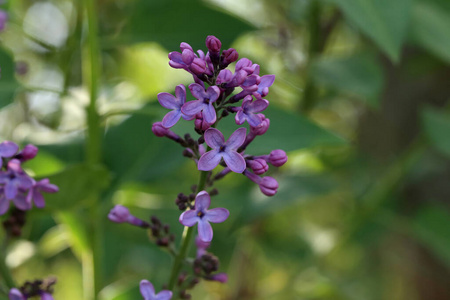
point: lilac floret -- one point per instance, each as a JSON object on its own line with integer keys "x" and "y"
{"x": 221, "y": 149}
{"x": 28, "y": 152}
{"x": 219, "y": 277}
{"x": 121, "y": 214}
{"x": 175, "y": 103}
{"x": 15, "y": 294}
{"x": 268, "y": 185}
{"x": 277, "y": 158}
{"x": 14, "y": 179}
{"x": 35, "y": 195}
{"x": 263, "y": 86}
{"x": 202, "y": 216}
{"x": 7, "y": 149}
{"x": 148, "y": 292}
{"x": 204, "y": 102}
{"x": 248, "y": 109}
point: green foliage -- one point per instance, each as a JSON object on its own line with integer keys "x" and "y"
{"x": 358, "y": 74}
{"x": 8, "y": 82}
{"x": 384, "y": 21}
{"x": 437, "y": 127}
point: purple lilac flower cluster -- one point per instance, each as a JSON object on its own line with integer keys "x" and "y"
{"x": 217, "y": 92}
{"x": 16, "y": 186}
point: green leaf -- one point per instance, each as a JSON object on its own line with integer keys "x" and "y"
{"x": 437, "y": 127}
{"x": 430, "y": 29}
{"x": 76, "y": 183}
{"x": 171, "y": 22}
{"x": 432, "y": 227}
{"x": 8, "y": 82}
{"x": 384, "y": 21}
{"x": 75, "y": 226}
{"x": 359, "y": 74}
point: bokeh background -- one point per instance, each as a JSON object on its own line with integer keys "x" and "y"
{"x": 360, "y": 103}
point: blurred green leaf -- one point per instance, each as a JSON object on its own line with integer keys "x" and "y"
{"x": 134, "y": 153}
{"x": 358, "y": 74}
{"x": 8, "y": 82}
{"x": 437, "y": 127}
{"x": 75, "y": 226}
{"x": 384, "y": 21}
{"x": 171, "y": 22}
{"x": 76, "y": 183}
{"x": 430, "y": 29}
{"x": 432, "y": 227}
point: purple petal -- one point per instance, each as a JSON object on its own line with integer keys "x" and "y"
{"x": 8, "y": 149}
{"x": 240, "y": 117}
{"x": 212, "y": 93}
{"x": 205, "y": 231}
{"x": 209, "y": 160}
{"x": 38, "y": 199}
{"x": 147, "y": 290}
{"x": 22, "y": 202}
{"x": 253, "y": 120}
{"x": 168, "y": 101}
{"x": 15, "y": 294}
{"x": 4, "y": 205}
{"x": 191, "y": 108}
{"x": 197, "y": 91}
{"x": 266, "y": 81}
{"x": 164, "y": 295}
{"x": 171, "y": 118}
{"x": 202, "y": 201}
{"x": 257, "y": 106}
{"x": 189, "y": 218}
{"x": 24, "y": 181}
{"x": 234, "y": 161}
{"x": 180, "y": 92}
{"x": 10, "y": 190}
{"x": 217, "y": 215}
{"x": 46, "y": 296}
{"x": 209, "y": 114}
{"x": 236, "y": 139}
{"x": 45, "y": 186}
{"x": 214, "y": 138}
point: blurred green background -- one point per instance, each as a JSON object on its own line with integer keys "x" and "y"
{"x": 360, "y": 103}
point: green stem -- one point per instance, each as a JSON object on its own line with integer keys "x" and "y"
{"x": 185, "y": 240}
{"x": 93, "y": 143}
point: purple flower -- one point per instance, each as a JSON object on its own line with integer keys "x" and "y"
{"x": 28, "y": 152}
{"x": 258, "y": 166}
{"x": 262, "y": 127}
{"x": 219, "y": 277}
{"x": 213, "y": 44}
{"x": 228, "y": 56}
{"x": 184, "y": 59}
{"x": 159, "y": 130}
{"x": 221, "y": 149}
{"x": 277, "y": 158}
{"x": 247, "y": 65}
{"x": 263, "y": 86}
{"x": 268, "y": 185}
{"x": 148, "y": 292}
{"x": 204, "y": 102}
{"x": 248, "y": 109}
{"x": 34, "y": 194}
{"x": 15, "y": 294}
{"x": 7, "y": 149}
{"x": 202, "y": 216}
{"x": 14, "y": 179}
{"x": 175, "y": 103}
{"x": 121, "y": 214}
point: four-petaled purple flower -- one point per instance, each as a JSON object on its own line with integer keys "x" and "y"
{"x": 248, "y": 109}
{"x": 221, "y": 149}
{"x": 175, "y": 103}
{"x": 202, "y": 216}
{"x": 148, "y": 292}
{"x": 204, "y": 102}
{"x": 14, "y": 179}
{"x": 35, "y": 195}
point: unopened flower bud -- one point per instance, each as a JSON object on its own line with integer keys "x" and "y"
{"x": 28, "y": 152}
{"x": 184, "y": 46}
{"x": 278, "y": 158}
{"x": 119, "y": 214}
{"x": 261, "y": 128}
{"x": 159, "y": 130}
{"x": 258, "y": 166}
{"x": 268, "y": 186}
{"x": 198, "y": 66}
{"x": 213, "y": 44}
{"x": 228, "y": 56}
{"x": 220, "y": 277}
{"x": 187, "y": 56}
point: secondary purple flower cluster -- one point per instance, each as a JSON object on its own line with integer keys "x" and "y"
{"x": 216, "y": 97}
{"x": 17, "y": 186}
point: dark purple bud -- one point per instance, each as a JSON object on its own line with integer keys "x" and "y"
{"x": 224, "y": 76}
{"x": 198, "y": 66}
{"x": 268, "y": 186}
{"x": 200, "y": 123}
{"x": 259, "y": 166}
{"x": 188, "y": 56}
{"x": 220, "y": 277}
{"x": 159, "y": 130}
{"x": 213, "y": 44}
{"x": 261, "y": 128}
{"x": 278, "y": 158}
{"x": 228, "y": 56}
{"x": 28, "y": 152}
